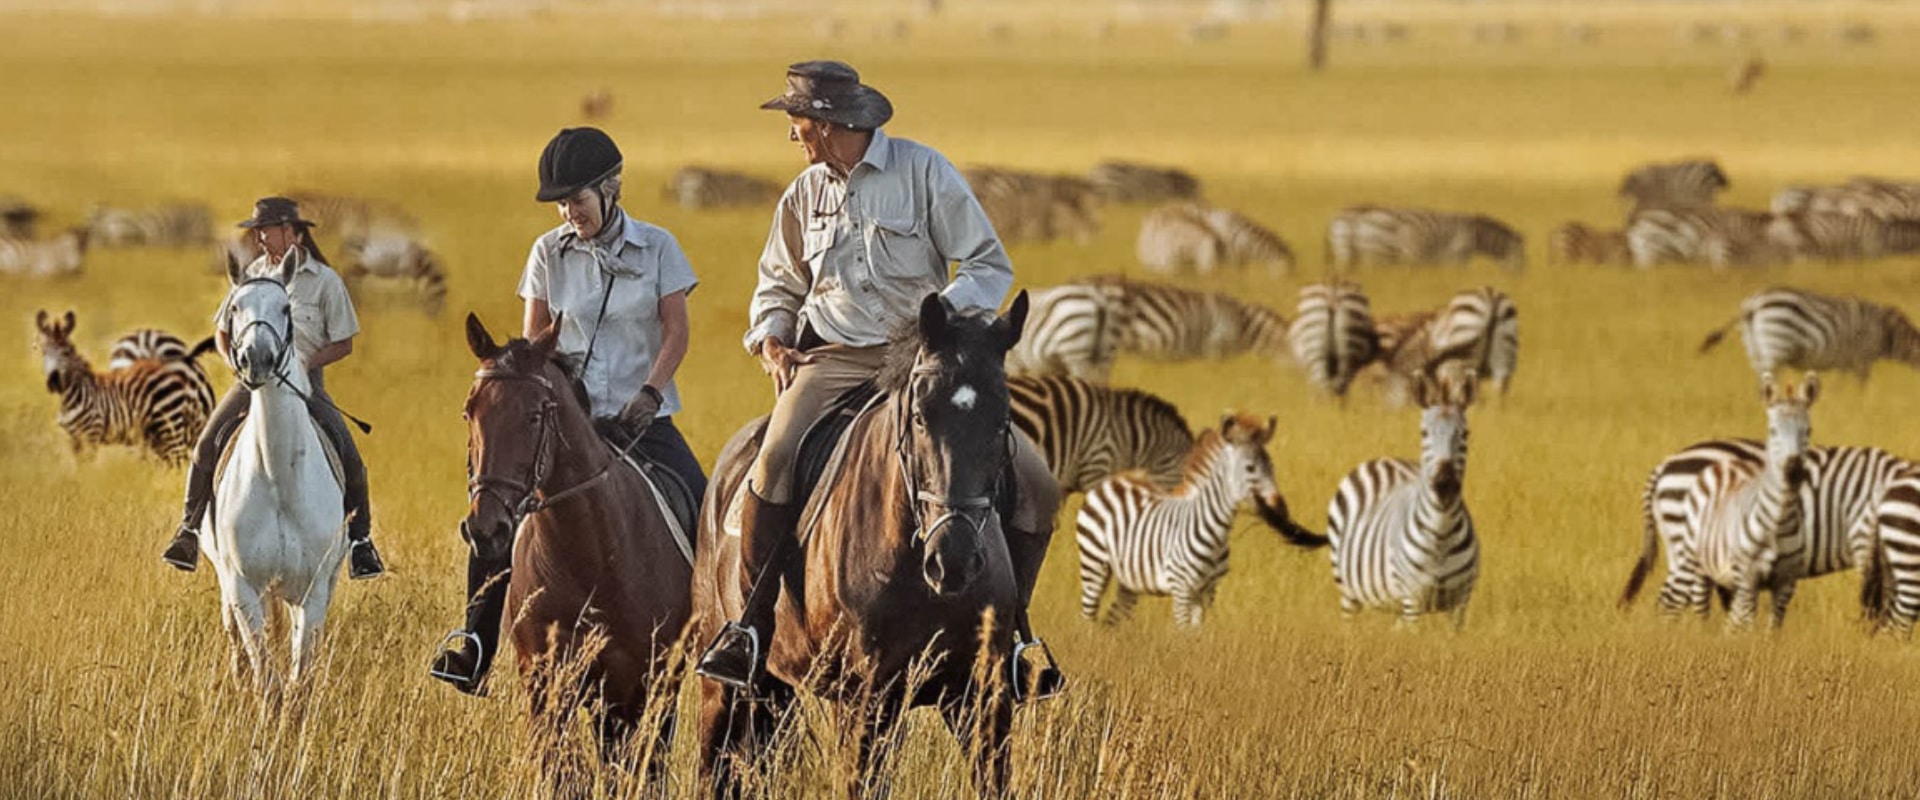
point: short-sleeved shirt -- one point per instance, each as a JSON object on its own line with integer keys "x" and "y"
{"x": 853, "y": 255}
{"x": 648, "y": 265}
{"x": 322, "y": 309}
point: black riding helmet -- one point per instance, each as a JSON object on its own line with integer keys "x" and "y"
{"x": 576, "y": 159}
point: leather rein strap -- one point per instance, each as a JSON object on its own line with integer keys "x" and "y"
{"x": 532, "y": 496}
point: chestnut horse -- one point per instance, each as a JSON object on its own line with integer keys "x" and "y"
{"x": 593, "y": 556}
{"x": 906, "y": 594}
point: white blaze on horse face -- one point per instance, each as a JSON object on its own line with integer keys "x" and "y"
{"x": 964, "y": 397}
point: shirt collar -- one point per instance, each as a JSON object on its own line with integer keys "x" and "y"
{"x": 630, "y": 232}
{"x": 879, "y": 151}
{"x": 264, "y": 266}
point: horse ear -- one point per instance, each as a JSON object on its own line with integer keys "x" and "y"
{"x": 1015, "y": 320}
{"x": 287, "y": 264}
{"x": 545, "y": 341}
{"x": 233, "y": 269}
{"x": 479, "y": 340}
{"x": 933, "y": 320}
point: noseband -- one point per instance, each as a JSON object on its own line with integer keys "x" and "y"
{"x": 527, "y": 496}
{"x": 967, "y": 508}
{"x": 283, "y": 343}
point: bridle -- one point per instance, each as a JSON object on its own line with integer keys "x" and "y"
{"x": 283, "y": 342}
{"x": 523, "y": 498}
{"x": 967, "y": 508}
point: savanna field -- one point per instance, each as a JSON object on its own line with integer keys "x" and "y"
{"x": 113, "y": 667}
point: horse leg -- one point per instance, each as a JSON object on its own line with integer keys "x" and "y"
{"x": 982, "y": 729}
{"x": 733, "y": 729}
{"x": 251, "y": 615}
{"x": 237, "y": 663}
{"x": 307, "y": 623}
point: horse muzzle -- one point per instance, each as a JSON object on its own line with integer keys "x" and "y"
{"x": 491, "y": 540}
{"x": 952, "y": 555}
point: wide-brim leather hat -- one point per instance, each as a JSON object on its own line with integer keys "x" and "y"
{"x": 831, "y": 91}
{"x": 270, "y": 211}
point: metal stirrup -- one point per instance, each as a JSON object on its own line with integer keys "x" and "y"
{"x": 479, "y": 654}
{"x": 753, "y": 640}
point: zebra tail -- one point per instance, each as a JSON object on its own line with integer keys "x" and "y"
{"x": 1713, "y": 338}
{"x": 1873, "y": 588}
{"x": 204, "y": 347}
{"x": 1649, "y": 549}
{"x": 1277, "y": 517}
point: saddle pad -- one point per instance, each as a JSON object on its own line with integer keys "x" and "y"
{"x": 675, "y": 498}
{"x": 326, "y": 446}
{"x": 821, "y": 452}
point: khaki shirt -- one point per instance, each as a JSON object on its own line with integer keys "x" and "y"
{"x": 322, "y": 309}
{"x": 647, "y": 265}
{"x": 854, "y": 256}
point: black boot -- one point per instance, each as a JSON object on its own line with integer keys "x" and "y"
{"x": 363, "y": 561}
{"x": 737, "y": 655}
{"x": 183, "y": 552}
{"x": 467, "y": 654}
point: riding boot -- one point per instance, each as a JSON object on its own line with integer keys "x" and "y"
{"x": 466, "y": 655}
{"x": 363, "y": 560}
{"x": 1027, "y": 681}
{"x": 184, "y": 551}
{"x": 767, "y": 542}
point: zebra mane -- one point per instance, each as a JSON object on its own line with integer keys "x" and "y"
{"x": 1206, "y": 450}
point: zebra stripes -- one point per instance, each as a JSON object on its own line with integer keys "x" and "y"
{"x": 1149, "y": 540}
{"x": 1721, "y": 237}
{"x": 1371, "y": 235}
{"x": 1127, "y": 182}
{"x": 395, "y": 258}
{"x": 1190, "y": 236}
{"x": 352, "y": 217}
{"x": 1812, "y": 236}
{"x": 1030, "y": 206}
{"x": 700, "y": 187}
{"x": 170, "y": 225}
{"x": 1332, "y": 336}
{"x": 1088, "y": 433}
{"x": 18, "y": 218}
{"x": 61, "y": 256}
{"x": 157, "y": 404}
{"x": 1477, "y": 330}
{"x": 153, "y": 344}
{"x": 1072, "y": 330}
{"x": 1861, "y": 196}
{"x": 1891, "y": 587}
{"x": 1675, "y": 184}
{"x": 1574, "y": 243}
{"x": 1794, "y": 328}
{"x": 1164, "y": 322}
{"x": 1746, "y": 521}
{"x": 1401, "y": 534}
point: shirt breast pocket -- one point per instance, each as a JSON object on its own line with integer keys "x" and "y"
{"x": 816, "y": 241}
{"x": 899, "y": 247}
{"x": 308, "y": 320}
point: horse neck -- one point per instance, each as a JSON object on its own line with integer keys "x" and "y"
{"x": 578, "y": 454}
{"x": 278, "y": 422}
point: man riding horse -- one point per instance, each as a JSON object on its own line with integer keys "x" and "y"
{"x": 858, "y": 240}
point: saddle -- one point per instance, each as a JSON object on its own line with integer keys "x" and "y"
{"x": 326, "y": 446}
{"x": 677, "y": 501}
{"x": 821, "y": 453}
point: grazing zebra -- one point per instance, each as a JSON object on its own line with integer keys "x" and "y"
{"x": 1168, "y": 323}
{"x": 153, "y": 344}
{"x": 1746, "y": 521}
{"x": 1332, "y": 335}
{"x": 1089, "y": 432}
{"x": 158, "y": 404}
{"x": 1674, "y": 184}
{"x": 705, "y": 187}
{"x": 1892, "y": 199}
{"x": 170, "y": 225}
{"x": 352, "y": 217}
{"x": 1477, "y": 330}
{"x": 1803, "y": 330}
{"x": 1028, "y": 206}
{"x": 1370, "y": 235}
{"x": 17, "y": 218}
{"x": 1148, "y": 540}
{"x": 1072, "y": 330}
{"x": 62, "y": 255}
{"x": 1178, "y": 237}
{"x": 1127, "y": 182}
{"x": 1401, "y": 534}
{"x": 395, "y": 258}
{"x": 1721, "y": 237}
{"x": 1811, "y": 236}
{"x": 1842, "y": 491}
{"x": 1890, "y": 589}
{"x": 1247, "y": 242}
{"x": 1574, "y": 243}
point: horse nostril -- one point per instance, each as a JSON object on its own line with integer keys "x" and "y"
{"x": 934, "y": 571}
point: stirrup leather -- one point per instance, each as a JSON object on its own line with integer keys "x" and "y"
{"x": 753, "y": 663}
{"x": 479, "y": 655}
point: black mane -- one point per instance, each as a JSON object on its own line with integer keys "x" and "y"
{"x": 904, "y": 343}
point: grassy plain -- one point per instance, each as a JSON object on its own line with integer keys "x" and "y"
{"x": 111, "y": 665}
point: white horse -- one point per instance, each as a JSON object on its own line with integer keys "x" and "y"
{"x": 274, "y": 532}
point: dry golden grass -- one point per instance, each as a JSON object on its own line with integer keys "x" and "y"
{"x": 112, "y": 666}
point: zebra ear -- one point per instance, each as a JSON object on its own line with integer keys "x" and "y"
{"x": 1266, "y": 434}
{"x": 40, "y": 320}
{"x": 479, "y": 340}
{"x": 1769, "y": 391}
{"x": 1810, "y": 390}
{"x": 66, "y": 322}
{"x": 1226, "y": 424}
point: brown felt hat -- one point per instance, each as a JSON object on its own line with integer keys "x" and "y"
{"x": 270, "y": 211}
{"x": 831, "y": 91}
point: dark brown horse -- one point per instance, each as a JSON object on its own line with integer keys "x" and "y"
{"x": 905, "y": 560}
{"x": 599, "y": 589}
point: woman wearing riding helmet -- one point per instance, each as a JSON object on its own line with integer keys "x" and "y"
{"x": 618, "y": 288}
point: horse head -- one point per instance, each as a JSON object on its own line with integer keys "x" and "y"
{"x": 955, "y": 443}
{"x": 514, "y": 428}
{"x": 259, "y": 323}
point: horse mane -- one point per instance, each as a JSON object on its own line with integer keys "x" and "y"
{"x": 517, "y": 356}
{"x": 903, "y": 348}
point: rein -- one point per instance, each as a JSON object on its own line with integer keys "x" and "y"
{"x": 532, "y": 497}
{"x": 284, "y": 343}
{"x": 960, "y": 507}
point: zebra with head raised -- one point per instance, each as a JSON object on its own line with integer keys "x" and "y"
{"x": 1371, "y": 235}
{"x": 1574, "y": 243}
{"x": 1721, "y": 237}
{"x": 1332, "y": 335}
{"x": 1088, "y": 432}
{"x": 1073, "y": 330}
{"x": 158, "y": 404}
{"x": 1811, "y": 236}
{"x": 1673, "y": 184}
{"x": 1795, "y": 328}
{"x": 1127, "y": 182}
{"x": 1146, "y": 539}
{"x": 1401, "y": 534}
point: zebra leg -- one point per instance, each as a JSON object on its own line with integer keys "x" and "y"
{"x": 1746, "y": 601}
{"x": 1122, "y": 608}
{"x": 1409, "y": 614}
{"x": 1782, "y": 595}
{"x": 1187, "y": 609}
{"x": 1094, "y": 574}
{"x": 1349, "y": 608}
{"x": 1459, "y": 614}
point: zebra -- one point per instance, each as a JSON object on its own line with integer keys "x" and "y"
{"x": 1800, "y": 329}
{"x": 704, "y": 187}
{"x": 1838, "y": 502}
{"x": 169, "y": 225}
{"x": 18, "y": 218}
{"x": 1401, "y": 533}
{"x": 1889, "y": 199}
{"x": 153, "y": 344}
{"x": 1168, "y": 323}
{"x": 1029, "y": 206}
{"x": 1072, "y": 330}
{"x": 61, "y": 256}
{"x": 1247, "y": 242}
{"x": 1332, "y": 336}
{"x": 1673, "y": 184}
{"x": 1860, "y": 196}
{"x": 1145, "y": 539}
{"x": 1890, "y": 587}
{"x": 398, "y": 258}
{"x": 1574, "y": 243}
{"x": 1127, "y": 182}
{"x": 1477, "y": 330}
{"x": 352, "y": 217}
{"x": 1089, "y": 432}
{"x": 1177, "y": 237}
{"x": 1721, "y": 237}
{"x": 1371, "y": 235}
{"x": 158, "y": 404}
{"x": 1810, "y": 236}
